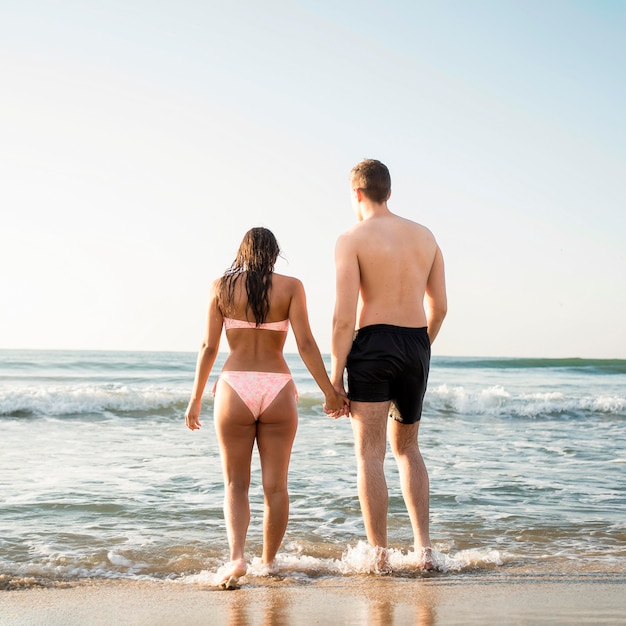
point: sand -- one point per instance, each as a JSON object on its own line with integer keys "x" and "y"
{"x": 358, "y": 600}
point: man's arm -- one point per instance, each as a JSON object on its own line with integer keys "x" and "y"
{"x": 436, "y": 300}
{"x": 346, "y": 298}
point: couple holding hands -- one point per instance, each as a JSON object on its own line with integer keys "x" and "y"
{"x": 391, "y": 291}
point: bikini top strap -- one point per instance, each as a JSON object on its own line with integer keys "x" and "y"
{"x": 282, "y": 325}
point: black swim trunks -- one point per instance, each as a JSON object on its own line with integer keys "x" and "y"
{"x": 390, "y": 363}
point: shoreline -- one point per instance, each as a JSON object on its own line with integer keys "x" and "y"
{"x": 459, "y": 600}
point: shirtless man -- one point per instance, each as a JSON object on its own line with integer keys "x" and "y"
{"x": 391, "y": 287}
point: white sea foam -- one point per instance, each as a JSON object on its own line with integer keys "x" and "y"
{"x": 70, "y": 399}
{"x": 360, "y": 559}
{"x": 496, "y": 400}
{"x": 93, "y": 399}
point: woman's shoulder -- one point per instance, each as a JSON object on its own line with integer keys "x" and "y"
{"x": 287, "y": 287}
{"x": 286, "y": 281}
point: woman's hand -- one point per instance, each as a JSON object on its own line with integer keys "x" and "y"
{"x": 336, "y": 405}
{"x": 192, "y": 415}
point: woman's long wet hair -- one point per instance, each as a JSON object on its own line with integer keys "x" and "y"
{"x": 256, "y": 258}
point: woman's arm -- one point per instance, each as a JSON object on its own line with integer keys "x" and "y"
{"x": 205, "y": 361}
{"x": 310, "y": 352}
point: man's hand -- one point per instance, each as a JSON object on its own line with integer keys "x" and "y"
{"x": 337, "y": 405}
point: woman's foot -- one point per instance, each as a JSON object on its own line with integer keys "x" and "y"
{"x": 426, "y": 559}
{"x": 382, "y": 565}
{"x": 231, "y": 573}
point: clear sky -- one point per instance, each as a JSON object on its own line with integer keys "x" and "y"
{"x": 140, "y": 139}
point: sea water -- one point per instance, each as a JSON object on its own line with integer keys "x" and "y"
{"x": 100, "y": 478}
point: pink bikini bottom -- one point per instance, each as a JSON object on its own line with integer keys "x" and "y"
{"x": 257, "y": 389}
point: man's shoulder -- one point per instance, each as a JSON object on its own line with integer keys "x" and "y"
{"x": 350, "y": 234}
{"x": 409, "y": 223}
{"x": 396, "y": 223}
{"x": 390, "y": 228}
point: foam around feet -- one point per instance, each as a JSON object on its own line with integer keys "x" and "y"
{"x": 230, "y": 573}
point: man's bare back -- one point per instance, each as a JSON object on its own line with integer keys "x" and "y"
{"x": 395, "y": 257}
{"x": 389, "y": 271}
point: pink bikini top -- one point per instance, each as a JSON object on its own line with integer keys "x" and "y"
{"x": 229, "y": 323}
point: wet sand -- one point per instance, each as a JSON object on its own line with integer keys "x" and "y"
{"x": 358, "y": 600}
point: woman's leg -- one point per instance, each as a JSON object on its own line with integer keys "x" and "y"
{"x": 276, "y": 431}
{"x": 236, "y": 431}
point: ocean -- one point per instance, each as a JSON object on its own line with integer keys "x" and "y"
{"x": 100, "y": 478}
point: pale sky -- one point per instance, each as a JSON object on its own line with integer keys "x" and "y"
{"x": 139, "y": 140}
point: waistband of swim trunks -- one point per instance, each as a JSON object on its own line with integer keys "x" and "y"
{"x": 390, "y": 328}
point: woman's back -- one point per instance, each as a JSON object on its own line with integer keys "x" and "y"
{"x": 256, "y": 348}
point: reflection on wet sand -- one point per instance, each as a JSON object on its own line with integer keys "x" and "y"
{"x": 386, "y": 612}
{"x": 375, "y": 601}
{"x": 269, "y": 608}
{"x": 469, "y": 600}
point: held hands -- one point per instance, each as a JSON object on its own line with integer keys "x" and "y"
{"x": 192, "y": 415}
{"x": 337, "y": 404}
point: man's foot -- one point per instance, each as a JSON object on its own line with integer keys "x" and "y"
{"x": 426, "y": 559}
{"x": 231, "y": 574}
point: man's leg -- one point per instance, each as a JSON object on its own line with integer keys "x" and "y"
{"x": 369, "y": 425}
{"x": 414, "y": 483}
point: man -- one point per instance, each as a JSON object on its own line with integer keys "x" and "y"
{"x": 391, "y": 287}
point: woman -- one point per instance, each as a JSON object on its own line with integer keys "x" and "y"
{"x": 255, "y": 396}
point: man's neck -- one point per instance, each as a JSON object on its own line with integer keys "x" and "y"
{"x": 370, "y": 210}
